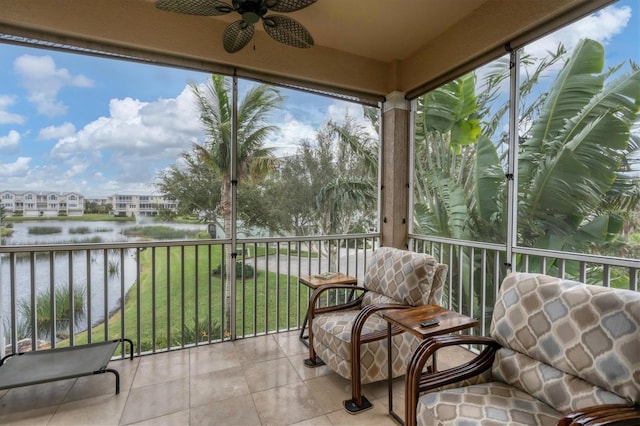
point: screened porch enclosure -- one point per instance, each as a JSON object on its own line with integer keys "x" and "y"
{"x": 521, "y": 154}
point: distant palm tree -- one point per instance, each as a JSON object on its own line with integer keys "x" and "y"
{"x": 254, "y": 160}
{"x": 346, "y": 201}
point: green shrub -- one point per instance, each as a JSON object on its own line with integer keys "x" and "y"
{"x": 80, "y": 230}
{"x": 158, "y": 232}
{"x": 44, "y": 230}
{"x": 248, "y": 271}
{"x": 191, "y": 333}
{"x": 62, "y": 313}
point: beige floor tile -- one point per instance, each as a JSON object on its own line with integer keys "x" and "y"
{"x": 209, "y": 385}
{"x": 35, "y": 396}
{"x": 104, "y": 410}
{"x": 104, "y": 384}
{"x": 162, "y": 367}
{"x": 330, "y": 391}
{"x": 371, "y": 391}
{"x": 156, "y": 400}
{"x": 258, "y": 349}
{"x": 238, "y": 411}
{"x": 180, "y": 418}
{"x": 291, "y": 344}
{"x": 217, "y": 386}
{"x": 213, "y": 357}
{"x": 35, "y": 417}
{"x": 380, "y": 389}
{"x": 286, "y": 404}
{"x": 377, "y": 415}
{"x": 305, "y": 372}
{"x": 269, "y": 374}
{"x": 316, "y": 421}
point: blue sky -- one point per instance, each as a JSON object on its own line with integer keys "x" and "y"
{"x": 98, "y": 126}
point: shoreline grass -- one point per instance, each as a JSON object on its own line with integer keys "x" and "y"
{"x": 83, "y": 218}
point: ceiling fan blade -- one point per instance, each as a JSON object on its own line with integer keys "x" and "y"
{"x": 287, "y": 31}
{"x": 236, "y": 36}
{"x": 195, "y": 7}
{"x": 285, "y": 6}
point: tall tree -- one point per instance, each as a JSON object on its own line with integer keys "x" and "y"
{"x": 329, "y": 186}
{"x": 195, "y": 185}
{"x": 253, "y": 160}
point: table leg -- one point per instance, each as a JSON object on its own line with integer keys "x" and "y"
{"x": 390, "y": 376}
{"x": 303, "y": 338}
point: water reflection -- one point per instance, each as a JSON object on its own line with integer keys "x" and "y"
{"x": 106, "y": 274}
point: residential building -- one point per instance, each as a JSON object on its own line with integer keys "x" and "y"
{"x": 140, "y": 205}
{"x": 42, "y": 203}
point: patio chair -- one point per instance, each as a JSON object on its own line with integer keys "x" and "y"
{"x": 561, "y": 352}
{"x": 35, "y": 367}
{"x": 351, "y": 337}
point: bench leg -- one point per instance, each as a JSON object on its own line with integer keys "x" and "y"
{"x": 115, "y": 372}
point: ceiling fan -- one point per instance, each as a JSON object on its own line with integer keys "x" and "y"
{"x": 237, "y": 35}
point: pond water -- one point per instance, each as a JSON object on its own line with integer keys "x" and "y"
{"x": 84, "y": 270}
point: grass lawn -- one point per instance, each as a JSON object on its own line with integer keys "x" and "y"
{"x": 189, "y": 284}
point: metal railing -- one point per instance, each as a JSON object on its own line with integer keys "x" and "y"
{"x": 163, "y": 295}
{"x": 170, "y": 295}
{"x": 477, "y": 269}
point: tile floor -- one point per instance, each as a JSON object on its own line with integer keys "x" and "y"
{"x": 254, "y": 381}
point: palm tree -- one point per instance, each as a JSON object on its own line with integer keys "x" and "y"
{"x": 573, "y": 181}
{"x": 346, "y": 201}
{"x": 253, "y": 159}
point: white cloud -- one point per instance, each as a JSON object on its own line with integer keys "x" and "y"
{"x": 292, "y": 133}
{"x": 601, "y": 27}
{"x": 7, "y": 117}
{"x": 76, "y": 168}
{"x": 131, "y": 143}
{"x": 12, "y": 140}
{"x": 155, "y": 130}
{"x": 44, "y": 80}
{"x": 18, "y": 168}
{"x": 57, "y": 132}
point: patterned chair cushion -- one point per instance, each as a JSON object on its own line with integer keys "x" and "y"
{"x": 564, "y": 392}
{"x": 401, "y": 275}
{"x": 434, "y": 297}
{"x": 586, "y": 331}
{"x": 491, "y": 403}
{"x": 332, "y": 343}
{"x": 393, "y": 276}
{"x": 566, "y": 346}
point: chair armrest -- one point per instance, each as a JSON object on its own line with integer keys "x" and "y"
{"x": 416, "y": 381}
{"x": 317, "y": 293}
{"x": 361, "y": 319}
{"x": 357, "y": 339}
{"x": 619, "y": 414}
